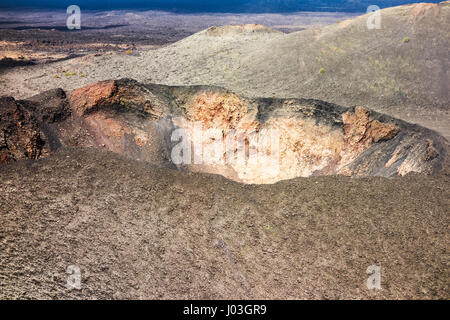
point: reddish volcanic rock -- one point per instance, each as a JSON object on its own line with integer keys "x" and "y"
{"x": 218, "y": 110}
{"x": 85, "y": 99}
{"x": 382, "y": 131}
{"x": 360, "y": 129}
{"x": 361, "y": 132}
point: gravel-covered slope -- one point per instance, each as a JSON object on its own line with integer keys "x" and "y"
{"x": 139, "y": 231}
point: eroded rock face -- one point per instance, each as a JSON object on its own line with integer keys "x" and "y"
{"x": 361, "y": 132}
{"x": 247, "y": 140}
{"x": 122, "y": 95}
{"x": 217, "y": 110}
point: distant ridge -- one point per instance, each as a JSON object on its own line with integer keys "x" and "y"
{"x": 246, "y": 6}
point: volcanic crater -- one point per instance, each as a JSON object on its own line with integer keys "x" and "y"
{"x": 138, "y": 120}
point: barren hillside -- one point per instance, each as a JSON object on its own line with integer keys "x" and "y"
{"x": 400, "y": 69}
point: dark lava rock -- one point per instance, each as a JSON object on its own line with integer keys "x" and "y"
{"x": 20, "y": 134}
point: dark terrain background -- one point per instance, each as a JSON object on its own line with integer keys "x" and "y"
{"x": 253, "y": 6}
